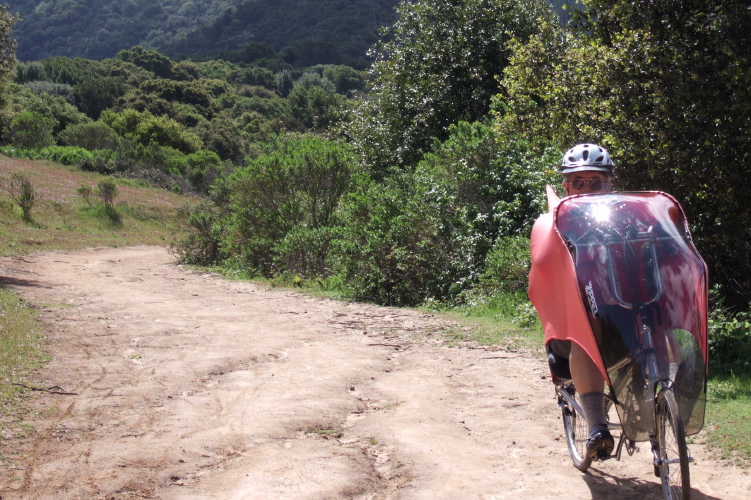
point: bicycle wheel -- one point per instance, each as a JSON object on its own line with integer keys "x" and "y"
{"x": 671, "y": 438}
{"x": 576, "y": 429}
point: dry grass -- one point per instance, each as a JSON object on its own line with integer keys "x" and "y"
{"x": 63, "y": 220}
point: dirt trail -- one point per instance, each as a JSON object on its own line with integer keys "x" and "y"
{"x": 188, "y": 386}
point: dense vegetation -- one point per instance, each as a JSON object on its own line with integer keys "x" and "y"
{"x": 417, "y": 182}
{"x": 302, "y": 32}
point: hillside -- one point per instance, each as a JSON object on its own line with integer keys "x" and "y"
{"x": 313, "y": 32}
{"x": 63, "y": 220}
{"x": 309, "y": 32}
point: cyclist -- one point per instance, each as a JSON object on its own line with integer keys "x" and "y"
{"x": 586, "y": 169}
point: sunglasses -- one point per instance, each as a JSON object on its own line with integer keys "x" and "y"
{"x": 594, "y": 184}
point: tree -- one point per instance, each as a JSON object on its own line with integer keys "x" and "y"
{"x": 31, "y": 130}
{"x": 150, "y": 60}
{"x": 666, "y": 85}
{"x": 436, "y": 66}
{"x": 7, "y": 49}
{"x": 94, "y": 96}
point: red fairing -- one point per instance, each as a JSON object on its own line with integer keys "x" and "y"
{"x": 618, "y": 274}
{"x": 553, "y": 288}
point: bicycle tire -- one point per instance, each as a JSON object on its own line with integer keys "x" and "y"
{"x": 671, "y": 439}
{"x": 576, "y": 430}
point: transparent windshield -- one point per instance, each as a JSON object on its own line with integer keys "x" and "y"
{"x": 644, "y": 286}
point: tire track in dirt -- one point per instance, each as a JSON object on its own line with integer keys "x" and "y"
{"x": 190, "y": 386}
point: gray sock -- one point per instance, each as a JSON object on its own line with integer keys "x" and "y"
{"x": 593, "y": 404}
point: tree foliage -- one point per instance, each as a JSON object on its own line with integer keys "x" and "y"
{"x": 7, "y": 48}
{"x": 426, "y": 234}
{"x": 284, "y": 204}
{"x": 665, "y": 85}
{"x": 285, "y": 31}
{"x": 436, "y": 66}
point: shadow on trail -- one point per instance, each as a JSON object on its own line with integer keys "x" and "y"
{"x": 8, "y": 282}
{"x": 604, "y": 485}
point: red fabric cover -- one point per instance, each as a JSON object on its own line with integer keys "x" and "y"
{"x": 553, "y": 288}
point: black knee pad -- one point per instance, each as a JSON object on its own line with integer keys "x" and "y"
{"x": 558, "y": 353}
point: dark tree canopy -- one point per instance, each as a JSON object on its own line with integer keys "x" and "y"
{"x": 665, "y": 84}
{"x": 436, "y": 66}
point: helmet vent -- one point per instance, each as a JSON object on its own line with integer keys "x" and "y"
{"x": 585, "y": 155}
{"x": 599, "y": 159}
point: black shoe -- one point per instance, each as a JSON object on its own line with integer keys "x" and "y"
{"x": 600, "y": 443}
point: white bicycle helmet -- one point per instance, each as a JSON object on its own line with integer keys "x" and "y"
{"x": 586, "y": 157}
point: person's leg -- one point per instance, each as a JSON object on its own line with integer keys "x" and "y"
{"x": 590, "y": 385}
{"x": 584, "y": 371}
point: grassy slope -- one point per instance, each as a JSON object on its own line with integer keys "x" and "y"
{"x": 64, "y": 221}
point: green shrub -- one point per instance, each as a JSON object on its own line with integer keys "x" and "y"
{"x": 296, "y": 182}
{"x": 427, "y": 234}
{"x": 22, "y": 191}
{"x": 304, "y": 251}
{"x": 405, "y": 241}
{"x": 729, "y": 340}
{"x": 67, "y": 155}
{"x": 254, "y": 76}
{"x": 507, "y": 264}
{"x": 56, "y": 89}
{"x": 86, "y": 192}
{"x": 31, "y": 130}
{"x": 90, "y": 135}
{"x": 203, "y": 246}
{"x": 107, "y": 191}
{"x": 145, "y": 129}
{"x": 223, "y": 137}
{"x": 94, "y": 96}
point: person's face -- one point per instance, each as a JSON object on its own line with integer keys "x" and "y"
{"x": 586, "y": 182}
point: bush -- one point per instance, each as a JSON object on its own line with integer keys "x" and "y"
{"x": 145, "y": 129}
{"x": 86, "y": 192}
{"x": 729, "y": 340}
{"x": 31, "y": 130}
{"x": 55, "y": 89}
{"x": 90, "y": 135}
{"x": 29, "y": 72}
{"x": 203, "y": 246}
{"x": 345, "y": 79}
{"x": 305, "y": 251}
{"x": 94, "y": 96}
{"x": 294, "y": 185}
{"x": 225, "y": 138}
{"x": 316, "y": 107}
{"x": 107, "y": 191}
{"x": 66, "y": 155}
{"x": 405, "y": 241}
{"x": 507, "y": 265}
{"x": 427, "y": 234}
{"x": 254, "y": 76}
{"x": 22, "y": 191}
